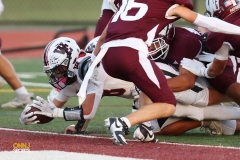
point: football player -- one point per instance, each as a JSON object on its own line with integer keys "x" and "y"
{"x": 126, "y": 39}
{"x": 222, "y": 45}
{"x": 67, "y": 88}
{"x": 8, "y": 73}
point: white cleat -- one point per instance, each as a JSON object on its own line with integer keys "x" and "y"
{"x": 118, "y": 128}
{"x": 18, "y": 103}
{"x": 144, "y": 133}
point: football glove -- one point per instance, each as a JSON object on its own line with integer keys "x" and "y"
{"x": 27, "y": 118}
{"x": 46, "y": 109}
{"x": 194, "y": 66}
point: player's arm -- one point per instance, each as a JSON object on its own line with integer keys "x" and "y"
{"x": 211, "y": 23}
{"x": 185, "y": 80}
{"x": 99, "y": 43}
{"x": 219, "y": 62}
{"x": 58, "y": 103}
{"x": 213, "y": 69}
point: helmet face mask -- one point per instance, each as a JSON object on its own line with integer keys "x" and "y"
{"x": 160, "y": 45}
{"x": 59, "y": 60}
{"x": 158, "y": 49}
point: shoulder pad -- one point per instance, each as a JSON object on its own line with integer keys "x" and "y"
{"x": 83, "y": 67}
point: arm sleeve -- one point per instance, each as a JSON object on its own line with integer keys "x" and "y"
{"x": 216, "y": 25}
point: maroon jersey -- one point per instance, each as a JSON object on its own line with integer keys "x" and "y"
{"x": 215, "y": 40}
{"x": 185, "y": 44}
{"x": 103, "y": 21}
{"x": 141, "y": 19}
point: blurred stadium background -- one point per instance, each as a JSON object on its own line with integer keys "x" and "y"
{"x": 47, "y": 19}
{"x": 59, "y": 16}
{"x": 56, "y": 13}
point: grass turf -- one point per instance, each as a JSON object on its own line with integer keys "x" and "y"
{"x": 110, "y": 106}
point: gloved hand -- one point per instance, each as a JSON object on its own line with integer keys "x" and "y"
{"x": 194, "y": 66}
{"x": 47, "y": 109}
{"x": 25, "y": 118}
{"x": 135, "y": 92}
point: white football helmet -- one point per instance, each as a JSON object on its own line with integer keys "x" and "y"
{"x": 59, "y": 60}
{"x": 159, "y": 47}
{"x": 91, "y": 45}
{"x": 221, "y": 8}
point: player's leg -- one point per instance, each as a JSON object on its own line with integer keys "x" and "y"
{"x": 147, "y": 77}
{"x": 1, "y": 82}
{"x": 233, "y": 91}
{"x": 177, "y": 126}
{"x": 226, "y": 82}
{"x": 217, "y": 112}
{"x": 7, "y": 71}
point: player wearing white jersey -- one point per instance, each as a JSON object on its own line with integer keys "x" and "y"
{"x": 69, "y": 87}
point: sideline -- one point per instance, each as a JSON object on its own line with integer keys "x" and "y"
{"x": 60, "y": 134}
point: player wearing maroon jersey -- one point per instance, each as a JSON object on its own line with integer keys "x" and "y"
{"x": 222, "y": 45}
{"x": 188, "y": 43}
{"x": 106, "y": 14}
{"x": 127, "y": 40}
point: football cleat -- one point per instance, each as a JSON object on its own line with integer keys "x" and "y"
{"x": 144, "y": 133}
{"x": 18, "y": 103}
{"x": 118, "y": 128}
{"x": 214, "y": 128}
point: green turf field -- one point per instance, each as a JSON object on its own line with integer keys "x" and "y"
{"x": 71, "y": 12}
{"x": 31, "y": 71}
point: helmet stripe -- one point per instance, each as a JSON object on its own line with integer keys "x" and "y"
{"x": 45, "y": 54}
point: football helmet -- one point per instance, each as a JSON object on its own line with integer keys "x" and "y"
{"x": 59, "y": 60}
{"x": 159, "y": 47}
{"x": 91, "y": 45}
{"x": 221, "y": 8}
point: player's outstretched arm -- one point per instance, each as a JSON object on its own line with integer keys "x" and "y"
{"x": 211, "y": 23}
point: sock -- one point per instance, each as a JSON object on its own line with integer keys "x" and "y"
{"x": 220, "y": 112}
{"x": 126, "y": 121}
{"x": 21, "y": 93}
{"x": 205, "y": 123}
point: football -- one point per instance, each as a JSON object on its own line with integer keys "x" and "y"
{"x": 42, "y": 119}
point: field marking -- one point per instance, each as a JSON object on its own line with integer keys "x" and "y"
{"x": 29, "y": 90}
{"x": 43, "y": 85}
{"x": 60, "y": 134}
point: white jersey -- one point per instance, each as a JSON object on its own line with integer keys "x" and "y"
{"x": 109, "y": 86}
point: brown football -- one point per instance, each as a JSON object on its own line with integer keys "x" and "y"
{"x": 42, "y": 119}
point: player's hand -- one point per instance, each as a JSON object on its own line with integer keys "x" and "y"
{"x": 45, "y": 108}
{"x": 70, "y": 130}
{"x": 194, "y": 66}
{"x": 27, "y": 118}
